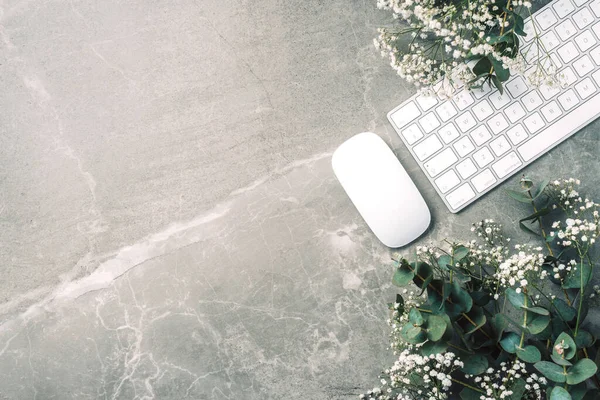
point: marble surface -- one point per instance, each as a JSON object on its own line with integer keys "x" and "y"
{"x": 170, "y": 227}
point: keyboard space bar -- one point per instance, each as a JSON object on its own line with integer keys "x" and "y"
{"x": 560, "y": 129}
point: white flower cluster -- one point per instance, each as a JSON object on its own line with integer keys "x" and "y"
{"x": 444, "y": 38}
{"x": 562, "y": 270}
{"x": 521, "y": 268}
{"x": 434, "y": 372}
{"x": 497, "y": 383}
{"x": 582, "y": 228}
{"x": 491, "y": 232}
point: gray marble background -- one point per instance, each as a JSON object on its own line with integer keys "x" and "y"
{"x": 170, "y": 227}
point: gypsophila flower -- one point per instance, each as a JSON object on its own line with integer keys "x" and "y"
{"x": 497, "y": 383}
{"x": 521, "y": 268}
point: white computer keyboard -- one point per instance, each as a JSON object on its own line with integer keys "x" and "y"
{"x": 470, "y": 144}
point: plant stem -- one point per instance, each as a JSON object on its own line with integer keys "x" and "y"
{"x": 524, "y": 324}
{"x": 467, "y": 385}
{"x": 581, "y": 289}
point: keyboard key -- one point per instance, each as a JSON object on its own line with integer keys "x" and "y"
{"x": 466, "y": 168}
{"x": 549, "y": 92}
{"x": 568, "y": 52}
{"x": 481, "y": 92}
{"x": 446, "y": 111}
{"x": 517, "y": 134}
{"x": 595, "y": 53}
{"x": 545, "y": 19}
{"x": 466, "y": 121}
{"x": 497, "y": 123}
{"x": 563, "y": 8}
{"x": 483, "y": 180}
{"x": 506, "y": 165}
{"x": 596, "y": 29}
{"x": 447, "y": 181}
{"x": 561, "y": 129}
{"x": 463, "y": 100}
{"x": 500, "y": 100}
{"x": 585, "y": 88}
{"x": 595, "y": 6}
{"x": 426, "y": 102}
{"x": 532, "y": 100}
{"x": 427, "y": 147}
{"x": 412, "y": 134}
{"x": 585, "y": 40}
{"x": 464, "y": 146}
{"x": 429, "y": 122}
{"x": 565, "y": 29}
{"x": 405, "y": 114}
{"x": 596, "y": 76}
{"x": 448, "y": 133}
{"x": 483, "y": 157}
{"x": 568, "y": 76}
{"x": 583, "y": 66}
{"x": 460, "y": 196}
{"x": 549, "y": 40}
{"x": 483, "y": 110}
{"x": 440, "y": 162}
{"x": 534, "y": 122}
{"x": 500, "y": 145}
{"x": 579, "y": 3}
{"x": 516, "y": 87}
{"x": 480, "y": 135}
{"x": 568, "y": 99}
{"x": 533, "y": 52}
{"x": 551, "y": 111}
{"x": 515, "y": 112}
{"x": 583, "y": 18}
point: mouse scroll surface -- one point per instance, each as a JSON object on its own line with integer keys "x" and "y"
{"x": 381, "y": 190}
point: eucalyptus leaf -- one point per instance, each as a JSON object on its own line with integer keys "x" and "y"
{"x": 474, "y": 364}
{"x": 566, "y": 344}
{"x": 430, "y": 347}
{"x": 444, "y": 261}
{"x": 516, "y": 299}
{"x": 529, "y": 354}
{"x": 582, "y": 370}
{"x": 403, "y": 274}
{"x": 551, "y": 371}
{"x": 510, "y": 341}
{"x": 565, "y": 311}
{"x": 573, "y": 279}
{"x": 460, "y": 252}
{"x": 519, "y": 196}
{"x": 415, "y": 317}
{"x": 469, "y": 394}
{"x": 538, "y": 310}
{"x": 584, "y": 339}
{"x": 538, "y": 323}
{"x": 560, "y": 361}
{"x": 436, "y": 326}
{"x": 559, "y": 393}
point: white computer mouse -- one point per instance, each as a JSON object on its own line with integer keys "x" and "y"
{"x": 381, "y": 190}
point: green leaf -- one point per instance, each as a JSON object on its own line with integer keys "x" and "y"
{"x": 460, "y": 252}
{"x": 519, "y": 196}
{"x": 415, "y": 317}
{"x": 529, "y": 354}
{"x": 423, "y": 274}
{"x": 519, "y": 24}
{"x": 582, "y": 370}
{"x": 518, "y": 389}
{"x": 510, "y": 342}
{"x": 567, "y": 343}
{"x": 551, "y": 371}
{"x": 502, "y": 73}
{"x": 566, "y": 312}
{"x": 537, "y": 324}
{"x": 413, "y": 334}
{"x": 584, "y": 339}
{"x": 444, "y": 261}
{"x": 497, "y": 84}
{"x": 476, "y": 315}
{"x": 436, "y": 326}
{"x": 499, "y": 323}
{"x": 403, "y": 275}
{"x": 559, "y": 393}
{"x": 461, "y": 296}
{"x": 573, "y": 280}
{"x": 433, "y": 347}
{"x": 482, "y": 67}
{"x": 560, "y": 361}
{"x": 540, "y": 188}
{"x": 469, "y": 394}
{"x": 537, "y": 310}
{"x": 481, "y": 298}
{"x": 475, "y": 364}
{"x": 516, "y": 299}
